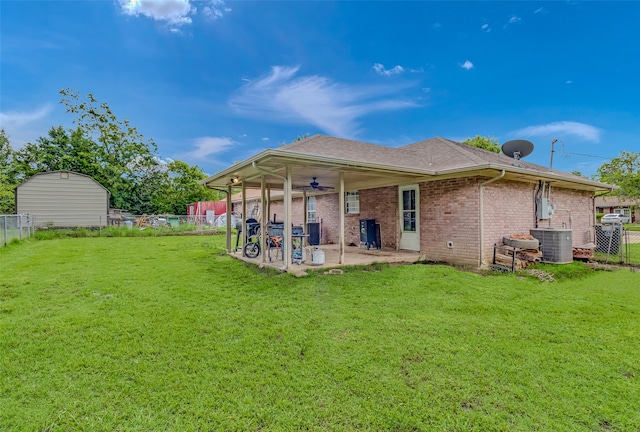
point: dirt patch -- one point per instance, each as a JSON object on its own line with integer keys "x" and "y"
{"x": 542, "y": 275}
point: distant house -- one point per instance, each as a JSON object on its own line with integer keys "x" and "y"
{"x": 615, "y": 204}
{"x": 447, "y": 200}
{"x": 63, "y": 199}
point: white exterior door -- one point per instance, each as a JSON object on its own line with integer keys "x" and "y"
{"x": 409, "y": 217}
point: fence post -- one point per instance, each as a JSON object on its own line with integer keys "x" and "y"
{"x": 5, "y": 230}
{"x": 20, "y": 226}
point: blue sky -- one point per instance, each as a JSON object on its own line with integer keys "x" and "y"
{"x": 213, "y": 82}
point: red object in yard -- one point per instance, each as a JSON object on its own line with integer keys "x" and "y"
{"x": 200, "y": 208}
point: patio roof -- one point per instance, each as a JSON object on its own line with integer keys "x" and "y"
{"x": 366, "y": 166}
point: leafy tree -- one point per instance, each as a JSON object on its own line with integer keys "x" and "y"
{"x": 112, "y": 152}
{"x": 299, "y": 138}
{"x": 120, "y": 157}
{"x": 8, "y": 179}
{"x": 59, "y": 150}
{"x": 486, "y": 143}
{"x": 624, "y": 172}
{"x": 182, "y": 187}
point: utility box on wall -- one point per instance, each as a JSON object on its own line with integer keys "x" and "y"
{"x": 545, "y": 209}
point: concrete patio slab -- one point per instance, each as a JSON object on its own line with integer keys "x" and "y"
{"x": 353, "y": 255}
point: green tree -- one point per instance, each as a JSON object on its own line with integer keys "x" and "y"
{"x": 624, "y": 172}
{"x": 61, "y": 149}
{"x": 181, "y": 187}
{"x": 486, "y": 143}
{"x": 8, "y": 179}
{"x": 121, "y": 158}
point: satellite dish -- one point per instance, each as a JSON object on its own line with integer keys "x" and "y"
{"x": 517, "y": 149}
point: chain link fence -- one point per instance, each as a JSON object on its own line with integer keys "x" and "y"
{"x": 16, "y": 227}
{"x": 615, "y": 244}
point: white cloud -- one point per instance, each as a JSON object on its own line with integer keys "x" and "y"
{"x": 514, "y": 19}
{"x": 380, "y": 70}
{"x": 581, "y": 130}
{"x": 175, "y": 13}
{"x": 265, "y": 139}
{"x": 466, "y": 65}
{"x": 332, "y": 107}
{"x": 207, "y": 146}
{"x": 215, "y": 9}
{"x": 14, "y": 119}
{"x": 540, "y": 10}
{"x": 568, "y": 82}
{"x": 486, "y": 27}
{"x": 25, "y": 126}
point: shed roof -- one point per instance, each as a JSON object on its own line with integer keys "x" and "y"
{"x": 49, "y": 173}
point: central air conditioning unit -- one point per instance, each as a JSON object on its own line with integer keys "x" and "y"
{"x": 555, "y": 243}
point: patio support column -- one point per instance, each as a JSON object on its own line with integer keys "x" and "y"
{"x": 341, "y": 211}
{"x": 228, "y": 219}
{"x": 244, "y": 216}
{"x": 263, "y": 219}
{"x": 286, "y": 241}
{"x": 304, "y": 212}
{"x": 268, "y": 202}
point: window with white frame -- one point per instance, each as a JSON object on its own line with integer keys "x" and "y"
{"x": 352, "y": 202}
{"x": 311, "y": 209}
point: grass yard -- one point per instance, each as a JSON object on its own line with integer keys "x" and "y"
{"x": 168, "y": 333}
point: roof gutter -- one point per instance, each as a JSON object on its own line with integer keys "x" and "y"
{"x": 525, "y": 171}
{"x": 481, "y": 200}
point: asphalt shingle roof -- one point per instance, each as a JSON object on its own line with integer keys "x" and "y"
{"x": 437, "y": 154}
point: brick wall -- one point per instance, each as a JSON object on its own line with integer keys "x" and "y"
{"x": 509, "y": 208}
{"x": 449, "y": 216}
{"x": 449, "y": 227}
{"x": 575, "y": 210}
{"x": 326, "y": 214}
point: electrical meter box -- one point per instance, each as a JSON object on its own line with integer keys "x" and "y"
{"x": 545, "y": 209}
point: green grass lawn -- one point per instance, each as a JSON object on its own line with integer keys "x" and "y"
{"x": 168, "y": 333}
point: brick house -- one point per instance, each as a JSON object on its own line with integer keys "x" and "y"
{"x": 447, "y": 200}
{"x": 615, "y": 204}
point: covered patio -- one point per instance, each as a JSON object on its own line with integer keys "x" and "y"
{"x": 288, "y": 174}
{"x": 353, "y": 255}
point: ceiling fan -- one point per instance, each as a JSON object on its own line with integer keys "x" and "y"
{"x": 315, "y": 186}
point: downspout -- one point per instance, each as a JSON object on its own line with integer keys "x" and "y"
{"x": 595, "y": 217}
{"x": 481, "y": 193}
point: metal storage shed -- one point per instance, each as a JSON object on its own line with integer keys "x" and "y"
{"x": 63, "y": 199}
